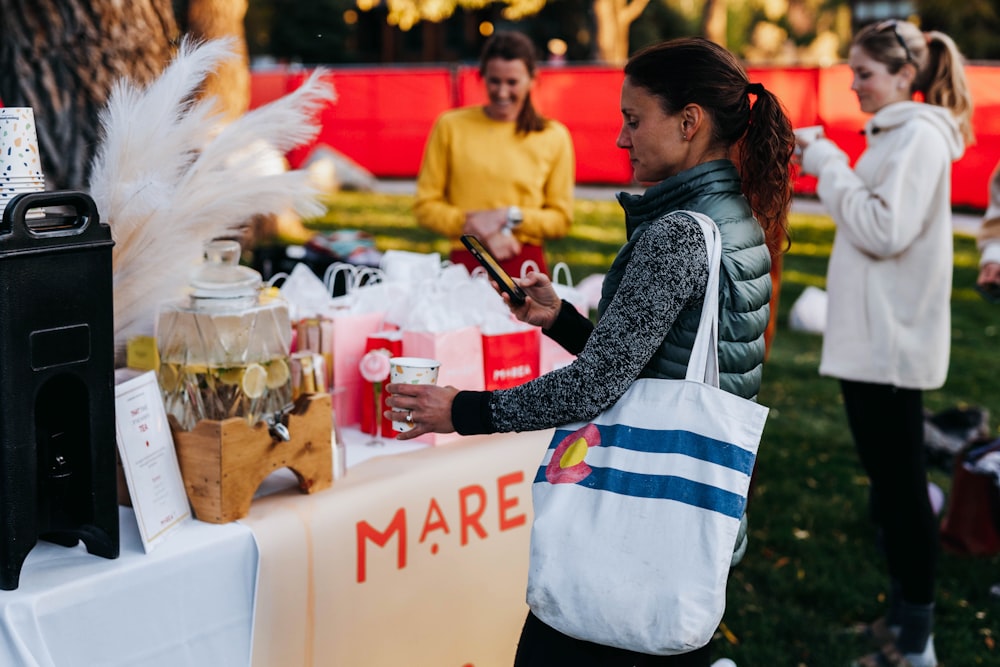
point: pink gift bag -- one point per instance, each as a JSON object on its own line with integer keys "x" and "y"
{"x": 341, "y": 339}
{"x": 552, "y": 355}
{"x": 461, "y": 355}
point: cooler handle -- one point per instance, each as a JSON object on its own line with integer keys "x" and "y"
{"x": 49, "y": 226}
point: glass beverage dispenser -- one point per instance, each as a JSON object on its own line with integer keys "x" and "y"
{"x": 224, "y": 349}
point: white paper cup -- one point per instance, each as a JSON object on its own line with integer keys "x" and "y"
{"x": 809, "y": 133}
{"x": 412, "y": 370}
{"x": 11, "y": 190}
{"x": 8, "y": 192}
{"x": 18, "y": 143}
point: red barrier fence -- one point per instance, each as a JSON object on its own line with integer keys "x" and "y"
{"x": 383, "y": 114}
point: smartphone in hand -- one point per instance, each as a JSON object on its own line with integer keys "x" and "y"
{"x": 493, "y": 268}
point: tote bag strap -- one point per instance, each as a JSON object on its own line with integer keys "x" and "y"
{"x": 703, "y": 365}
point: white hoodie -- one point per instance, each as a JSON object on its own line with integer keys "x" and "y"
{"x": 889, "y": 278}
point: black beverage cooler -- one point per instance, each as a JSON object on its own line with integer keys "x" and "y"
{"x": 57, "y": 410}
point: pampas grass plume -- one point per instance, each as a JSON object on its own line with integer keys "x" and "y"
{"x": 171, "y": 174}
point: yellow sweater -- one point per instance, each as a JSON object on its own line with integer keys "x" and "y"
{"x": 473, "y": 163}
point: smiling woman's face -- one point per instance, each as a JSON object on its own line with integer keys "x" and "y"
{"x": 653, "y": 139}
{"x": 508, "y": 83}
{"x": 874, "y": 85}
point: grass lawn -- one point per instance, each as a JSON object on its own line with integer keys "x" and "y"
{"x": 812, "y": 567}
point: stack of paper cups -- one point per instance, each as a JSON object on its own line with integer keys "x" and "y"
{"x": 20, "y": 162}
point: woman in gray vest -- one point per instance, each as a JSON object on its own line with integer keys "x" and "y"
{"x": 687, "y": 109}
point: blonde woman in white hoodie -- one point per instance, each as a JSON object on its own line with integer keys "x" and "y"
{"x": 889, "y": 285}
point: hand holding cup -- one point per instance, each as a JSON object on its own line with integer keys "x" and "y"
{"x": 417, "y": 405}
{"x": 411, "y": 370}
{"x": 806, "y": 135}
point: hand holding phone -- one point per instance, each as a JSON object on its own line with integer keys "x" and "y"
{"x": 493, "y": 268}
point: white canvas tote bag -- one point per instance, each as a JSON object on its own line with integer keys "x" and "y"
{"x": 636, "y": 512}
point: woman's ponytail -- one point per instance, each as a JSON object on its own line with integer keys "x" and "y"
{"x": 764, "y": 156}
{"x": 943, "y": 81}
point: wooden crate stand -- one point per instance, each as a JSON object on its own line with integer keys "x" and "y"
{"x": 223, "y": 462}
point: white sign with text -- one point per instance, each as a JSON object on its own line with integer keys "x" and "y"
{"x": 149, "y": 459}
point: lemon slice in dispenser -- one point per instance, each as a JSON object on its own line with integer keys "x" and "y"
{"x": 277, "y": 374}
{"x": 232, "y": 375}
{"x": 254, "y": 381}
{"x": 169, "y": 376}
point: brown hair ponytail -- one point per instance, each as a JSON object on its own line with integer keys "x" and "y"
{"x": 765, "y": 152}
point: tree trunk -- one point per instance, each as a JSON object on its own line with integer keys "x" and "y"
{"x": 614, "y": 17}
{"x": 61, "y": 57}
{"x": 715, "y": 20}
{"x": 230, "y": 83}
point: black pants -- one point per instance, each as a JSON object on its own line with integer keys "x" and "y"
{"x": 543, "y": 646}
{"x": 887, "y": 424}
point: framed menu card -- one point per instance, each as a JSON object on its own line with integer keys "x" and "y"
{"x": 149, "y": 459}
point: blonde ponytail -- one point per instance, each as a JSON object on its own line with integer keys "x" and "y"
{"x": 943, "y": 81}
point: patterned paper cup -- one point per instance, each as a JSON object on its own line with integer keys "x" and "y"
{"x": 6, "y": 196}
{"x": 412, "y": 370}
{"x": 18, "y": 143}
{"x": 10, "y": 189}
{"x": 10, "y": 186}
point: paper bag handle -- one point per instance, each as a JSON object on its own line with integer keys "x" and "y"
{"x": 527, "y": 266}
{"x": 561, "y": 269}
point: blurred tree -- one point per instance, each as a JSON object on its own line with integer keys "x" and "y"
{"x": 662, "y": 20}
{"x": 789, "y": 32}
{"x": 309, "y": 32}
{"x": 61, "y": 57}
{"x": 810, "y": 32}
{"x": 714, "y": 20}
{"x": 974, "y": 25}
{"x": 212, "y": 19}
{"x": 612, "y": 18}
{"x": 570, "y": 21}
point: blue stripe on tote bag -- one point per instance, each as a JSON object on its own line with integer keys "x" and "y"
{"x": 636, "y": 512}
{"x": 563, "y": 466}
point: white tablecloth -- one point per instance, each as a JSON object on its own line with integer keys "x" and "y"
{"x": 187, "y": 603}
{"x": 325, "y": 593}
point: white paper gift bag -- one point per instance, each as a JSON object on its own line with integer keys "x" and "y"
{"x": 562, "y": 282}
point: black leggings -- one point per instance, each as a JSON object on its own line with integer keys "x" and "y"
{"x": 543, "y": 646}
{"x": 887, "y": 424}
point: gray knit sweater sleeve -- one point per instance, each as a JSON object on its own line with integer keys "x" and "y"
{"x": 667, "y": 272}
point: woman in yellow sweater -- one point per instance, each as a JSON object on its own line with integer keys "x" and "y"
{"x": 501, "y": 172}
